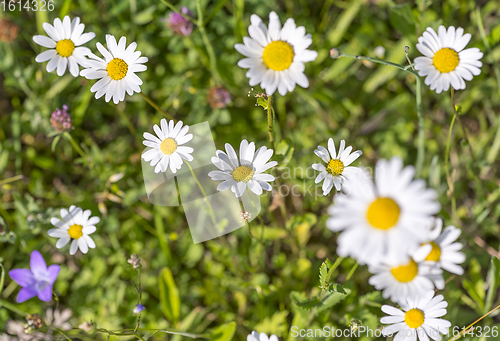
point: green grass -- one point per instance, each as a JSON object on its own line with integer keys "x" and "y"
{"x": 236, "y": 282}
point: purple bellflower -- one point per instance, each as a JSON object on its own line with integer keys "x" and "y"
{"x": 35, "y": 282}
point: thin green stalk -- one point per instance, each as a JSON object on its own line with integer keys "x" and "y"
{"x": 208, "y": 45}
{"x": 140, "y": 299}
{"x": 2, "y": 278}
{"x": 75, "y": 145}
{"x": 448, "y": 143}
{"x": 353, "y": 269}
{"x": 211, "y": 211}
{"x": 475, "y": 167}
{"x": 246, "y": 221}
{"x": 154, "y": 105}
{"x": 9, "y": 180}
{"x": 270, "y": 120}
{"x": 13, "y": 308}
{"x": 418, "y": 95}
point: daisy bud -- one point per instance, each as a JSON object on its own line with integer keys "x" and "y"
{"x": 334, "y": 53}
{"x": 218, "y": 97}
{"x": 245, "y": 216}
{"x": 179, "y": 24}
{"x": 34, "y": 321}
{"x": 86, "y": 326}
{"x": 134, "y": 261}
{"x": 60, "y": 120}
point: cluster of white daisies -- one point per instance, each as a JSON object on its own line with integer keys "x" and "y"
{"x": 115, "y": 71}
{"x": 275, "y": 57}
{"x": 387, "y": 222}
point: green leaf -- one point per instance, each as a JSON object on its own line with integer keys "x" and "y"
{"x": 169, "y": 296}
{"x": 144, "y": 16}
{"x": 324, "y": 278}
{"x": 337, "y": 294}
{"x": 493, "y": 280}
{"x": 284, "y": 152}
{"x": 224, "y": 332}
{"x": 54, "y": 142}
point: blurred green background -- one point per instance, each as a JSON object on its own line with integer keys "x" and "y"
{"x": 255, "y": 284}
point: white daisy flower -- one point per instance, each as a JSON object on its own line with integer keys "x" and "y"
{"x": 383, "y": 220}
{"x": 261, "y": 337}
{"x": 116, "y": 72}
{"x": 337, "y": 165}
{"x": 408, "y": 279}
{"x": 64, "y": 41}
{"x": 441, "y": 251}
{"x": 276, "y": 55}
{"x": 167, "y": 149}
{"x": 445, "y": 62}
{"x": 75, "y": 225}
{"x": 248, "y": 170}
{"x": 418, "y": 319}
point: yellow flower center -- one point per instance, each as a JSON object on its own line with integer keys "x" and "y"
{"x": 278, "y": 55}
{"x": 75, "y": 231}
{"x": 243, "y": 174}
{"x": 446, "y": 60}
{"x": 414, "y": 318}
{"x": 405, "y": 273}
{"x": 65, "y": 47}
{"x": 168, "y": 146}
{"x": 117, "y": 69}
{"x": 435, "y": 254}
{"x": 383, "y": 213}
{"x": 335, "y": 167}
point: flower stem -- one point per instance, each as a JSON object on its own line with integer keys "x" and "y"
{"x": 208, "y": 45}
{"x": 176, "y": 10}
{"x": 446, "y": 167}
{"x": 2, "y": 278}
{"x": 9, "y": 180}
{"x": 13, "y": 308}
{"x": 79, "y": 150}
{"x": 270, "y": 119}
{"x": 211, "y": 211}
{"x": 418, "y": 95}
{"x": 154, "y": 105}
{"x": 466, "y": 137}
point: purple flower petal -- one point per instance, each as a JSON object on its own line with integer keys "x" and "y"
{"x": 38, "y": 265}
{"x": 25, "y": 294}
{"x": 53, "y": 273}
{"x": 46, "y": 294}
{"x": 23, "y": 277}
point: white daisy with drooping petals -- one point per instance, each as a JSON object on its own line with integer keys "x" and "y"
{"x": 407, "y": 279}
{"x": 441, "y": 251}
{"x": 76, "y": 225}
{"x": 276, "y": 55}
{"x": 64, "y": 41}
{"x": 167, "y": 149}
{"x": 116, "y": 72}
{"x": 419, "y": 319}
{"x": 247, "y": 170}
{"x": 261, "y": 337}
{"x": 337, "y": 165}
{"x": 444, "y": 61}
{"x": 385, "y": 220}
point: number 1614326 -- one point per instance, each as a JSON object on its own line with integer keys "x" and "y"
{"x": 27, "y": 5}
